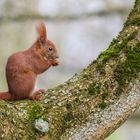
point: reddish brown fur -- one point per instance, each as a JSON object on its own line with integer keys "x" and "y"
{"x": 23, "y": 67}
{"x": 41, "y": 29}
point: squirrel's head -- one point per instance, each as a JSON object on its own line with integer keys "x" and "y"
{"x": 46, "y": 47}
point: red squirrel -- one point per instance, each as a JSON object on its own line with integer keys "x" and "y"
{"x": 23, "y": 67}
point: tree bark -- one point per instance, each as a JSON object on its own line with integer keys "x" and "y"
{"x": 92, "y": 104}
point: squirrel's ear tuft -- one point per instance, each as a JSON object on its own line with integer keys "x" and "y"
{"x": 41, "y": 30}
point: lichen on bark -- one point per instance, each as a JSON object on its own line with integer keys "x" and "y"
{"x": 79, "y": 108}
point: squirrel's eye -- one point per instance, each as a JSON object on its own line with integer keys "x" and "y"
{"x": 50, "y": 49}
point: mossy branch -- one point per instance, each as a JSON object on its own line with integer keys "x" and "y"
{"x": 92, "y": 104}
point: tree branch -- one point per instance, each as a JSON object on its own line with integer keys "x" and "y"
{"x": 59, "y": 17}
{"x": 92, "y": 104}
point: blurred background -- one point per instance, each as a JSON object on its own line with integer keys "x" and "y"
{"x": 81, "y": 29}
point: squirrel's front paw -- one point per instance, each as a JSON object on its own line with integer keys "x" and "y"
{"x": 54, "y": 62}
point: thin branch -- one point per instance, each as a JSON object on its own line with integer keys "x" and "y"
{"x": 24, "y": 17}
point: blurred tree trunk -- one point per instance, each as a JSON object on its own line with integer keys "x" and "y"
{"x": 92, "y": 104}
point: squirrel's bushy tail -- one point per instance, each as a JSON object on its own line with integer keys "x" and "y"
{"x": 5, "y": 96}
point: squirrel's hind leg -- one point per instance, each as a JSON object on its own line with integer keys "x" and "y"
{"x": 8, "y": 97}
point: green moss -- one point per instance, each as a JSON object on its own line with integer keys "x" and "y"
{"x": 129, "y": 69}
{"x": 110, "y": 52}
{"x": 35, "y": 111}
{"x": 93, "y": 62}
{"x": 105, "y": 93}
{"x": 134, "y": 16}
{"x": 100, "y": 68}
{"x": 102, "y": 105}
{"x": 94, "y": 88}
{"x": 135, "y": 21}
{"x": 114, "y": 49}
